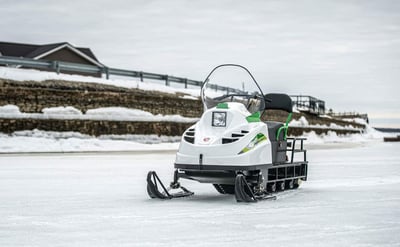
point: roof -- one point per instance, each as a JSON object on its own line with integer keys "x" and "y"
{"x": 38, "y": 51}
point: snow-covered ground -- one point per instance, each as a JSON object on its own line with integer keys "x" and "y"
{"x": 352, "y": 198}
{"x": 37, "y": 141}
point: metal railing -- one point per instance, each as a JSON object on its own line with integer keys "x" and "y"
{"x": 59, "y": 66}
{"x": 309, "y": 104}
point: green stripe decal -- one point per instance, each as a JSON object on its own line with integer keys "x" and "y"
{"x": 257, "y": 139}
{"x": 222, "y": 106}
{"x": 255, "y": 117}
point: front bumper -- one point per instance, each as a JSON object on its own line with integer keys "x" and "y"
{"x": 217, "y": 174}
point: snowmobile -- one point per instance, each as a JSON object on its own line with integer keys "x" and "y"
{"x": 230, "y": 146}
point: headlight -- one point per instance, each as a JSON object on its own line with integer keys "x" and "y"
{"x": 219, "y": 119}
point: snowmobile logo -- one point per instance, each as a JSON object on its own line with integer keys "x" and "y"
{"x": 206, "y": 139}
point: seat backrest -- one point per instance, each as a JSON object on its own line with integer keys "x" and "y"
{"x": 278, "y": 101}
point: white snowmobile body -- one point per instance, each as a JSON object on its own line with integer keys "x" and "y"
{"x": 235, "y": 144}
{"x": 230, "y": 136}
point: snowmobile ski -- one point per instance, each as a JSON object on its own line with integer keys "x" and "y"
{"x": 245, "y": 193}
{"x": 153, "y": 183}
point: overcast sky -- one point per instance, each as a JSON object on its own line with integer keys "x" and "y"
{"x": 344, "y": 52}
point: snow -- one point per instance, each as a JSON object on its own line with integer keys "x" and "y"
{"x": 11, "y": 110}
{"x": 302, "y": 122}
{"x": 106, "y": 113}
{"x": 368, "y": 135}
{"x": 48, "y": 141}
{"x": 118, "y": 111}
{"x": 36, "y": 75}
{"x": 352, "y": 198}
{"x": 58, "y": 111}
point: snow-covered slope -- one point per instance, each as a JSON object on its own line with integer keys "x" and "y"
{"x": 47, "y": 141}
{"x": 41, "y": 141}
{"x": 368, "y": 134}
{"x": 36, "y": 75}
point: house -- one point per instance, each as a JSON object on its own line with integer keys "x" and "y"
{"x": 54, "y": 52}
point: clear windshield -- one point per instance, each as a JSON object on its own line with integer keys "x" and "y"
{"x": 232, "y": 83}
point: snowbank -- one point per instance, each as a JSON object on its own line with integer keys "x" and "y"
{"x": 48, "y": 141}
{"x": 332, "y": 137}
{"x": 107, "y": 113}
{"x": 36, "y": 75}
{"x": 11, "y": 110}
{"x": 59, "y": 111}
{"x": 303, "y": 123}
{"x": 369, "y": 133}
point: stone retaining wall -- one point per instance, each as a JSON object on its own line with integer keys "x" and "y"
{"x": 32, "y": 96}
{"x": 97, "y": 128}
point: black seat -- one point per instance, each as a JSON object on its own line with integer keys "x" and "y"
{"x": 278, "y": 101}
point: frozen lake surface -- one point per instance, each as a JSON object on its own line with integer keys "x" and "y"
{"x": 352, "y": 198}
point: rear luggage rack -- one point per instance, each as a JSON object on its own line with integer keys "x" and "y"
{"x": 291, "y": 143}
